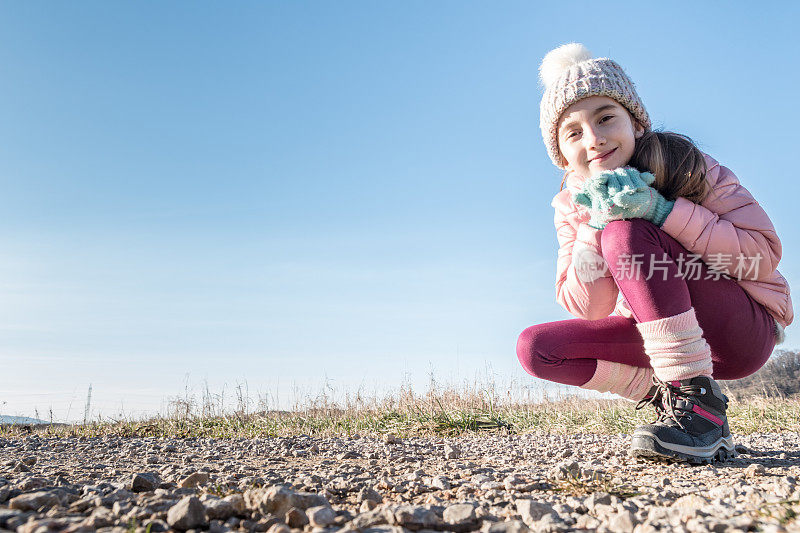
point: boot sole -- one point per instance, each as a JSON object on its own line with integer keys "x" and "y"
{"x": 650, "y": 447}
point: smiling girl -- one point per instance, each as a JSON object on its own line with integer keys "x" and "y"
{"x": 640, "y": 211}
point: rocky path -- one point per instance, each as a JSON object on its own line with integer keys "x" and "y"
{"x": 477, "y": 483}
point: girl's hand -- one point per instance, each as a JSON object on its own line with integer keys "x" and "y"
{"x": 603, "y": 186}
{"x": 595, "y": 196}
{"x": 648, "y": 204}
{"x": 632, "y": 191}
{"x": 628, "y": 179}
{"x": 621, "y": 193}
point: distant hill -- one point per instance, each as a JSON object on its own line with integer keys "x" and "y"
{"x": 778, "y": 378}
{"x": 21, "y": 420}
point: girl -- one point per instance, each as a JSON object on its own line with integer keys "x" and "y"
{"x": 693, "y": 255}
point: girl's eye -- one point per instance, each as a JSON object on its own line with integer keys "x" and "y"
{"x": 572, "y": 134}
{"x": 606, "y": 117}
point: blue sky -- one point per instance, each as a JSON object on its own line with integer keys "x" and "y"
{"x": 301, "y": 195}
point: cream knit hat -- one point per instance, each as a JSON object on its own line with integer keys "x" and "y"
{"x": 569, "y": 73}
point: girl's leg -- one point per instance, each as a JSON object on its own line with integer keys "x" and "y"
{"x": 739, "y": 331}
{"x": 605, "y": 355}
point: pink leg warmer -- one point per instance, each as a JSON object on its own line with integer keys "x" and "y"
{"x": 676, "y": 347}
{"x": 631, "y": 382}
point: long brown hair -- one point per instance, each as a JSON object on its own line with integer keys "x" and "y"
{"x": 675, "y": 161}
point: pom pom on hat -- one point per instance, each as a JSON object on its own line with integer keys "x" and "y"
{"x": 558, "y": 60}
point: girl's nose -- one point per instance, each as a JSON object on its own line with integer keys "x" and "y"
{"x": 594, "y": 138}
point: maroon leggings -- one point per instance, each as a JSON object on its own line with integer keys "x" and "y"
{"x": 739, "y": 330}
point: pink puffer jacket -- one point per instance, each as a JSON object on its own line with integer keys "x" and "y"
{"x": 729, "y": 221}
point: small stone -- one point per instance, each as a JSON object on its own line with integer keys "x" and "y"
{"x": 275, "y": 500}
{"x": 193, "y": 480}
{"x": 30, "y": 460}
{"x": 566, "y": 470}
{"x": 513, "y": 482}
{"x": 33, "y": 501}
{"x": 597, "y": 498}
{"x": 49, "y": 524}
{"x": 145, "y": 482}
{"x": 586, "y": 521}
{"x": 188, "y": 513}
{"x": 603, "y": 512}
{"x": 512, "y": 526}
{"x": 366, "y": 506}
{"x": 451, "y": 451}
{"x": 391, "y": 438}
{"x": 368, "y": 494}
{"x": 550, "y": 523}
{"x": 623, "y": 521}
{"x": 295, "y": 518}
{"x": 691, "y": 501}
{"x": 237, "y": 502}
{"x": 459, "y": 514}
{"x": 755, "y": 470}
{"x": 369, "y": 519}
{"x": 121, "y": 507}
{"x": 320, "y": 516}
{"x": 217, "y": 509}
{"x": 279, "y": 528}
{"x": 100, "y": 517}
{"x": 347, "y": 455}
{"x": 414, "y": 517}
{"x": 306, "y": 500}
{"x": 440, "y": 482}
{"x": 532, "y": 511}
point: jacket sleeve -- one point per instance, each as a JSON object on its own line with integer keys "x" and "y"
{"x": 729, "y": 229}
{"x": 584, "y": 285}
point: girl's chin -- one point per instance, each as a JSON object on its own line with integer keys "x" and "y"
{"x": 600, "y": 166}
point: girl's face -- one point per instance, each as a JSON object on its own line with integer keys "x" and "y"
{"x": 596, "y": 134}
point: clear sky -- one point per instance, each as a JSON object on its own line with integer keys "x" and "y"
{"x": 306, "y": 195}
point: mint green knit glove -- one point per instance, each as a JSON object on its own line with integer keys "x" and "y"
{"x": 627, "y": 179}
{"x": 632, "y": 192}
{"x": 594, "y": 195}
{"x": 623, "y": 193}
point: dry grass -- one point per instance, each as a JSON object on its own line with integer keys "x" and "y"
{"x": 446, "y": 412}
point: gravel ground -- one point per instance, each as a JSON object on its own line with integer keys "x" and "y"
{"x": 478, "y": 483}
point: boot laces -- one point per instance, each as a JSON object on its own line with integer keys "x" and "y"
{"x": 665, "y": 400}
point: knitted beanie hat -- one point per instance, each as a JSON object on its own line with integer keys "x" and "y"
{"x": 569, "y": 73}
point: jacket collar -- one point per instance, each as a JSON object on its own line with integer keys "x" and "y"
{"x": 574, "y": 183}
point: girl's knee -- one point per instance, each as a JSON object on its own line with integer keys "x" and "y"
{"x": 532, "y": 350}
{"x": 620, "y": 236}
{"x": 619, "y": 232}
{"x": 737, "y": 371}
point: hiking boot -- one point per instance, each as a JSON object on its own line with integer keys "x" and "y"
{"x": 691, "y": 424}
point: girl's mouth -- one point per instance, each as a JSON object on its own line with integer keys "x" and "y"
{"x": 604, "y": 156}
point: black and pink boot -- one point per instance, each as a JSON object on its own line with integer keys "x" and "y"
{"x": 691, "y": 424}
